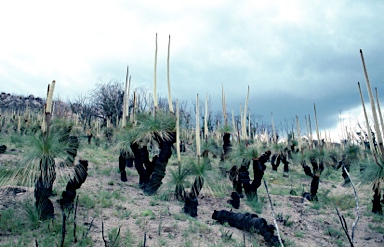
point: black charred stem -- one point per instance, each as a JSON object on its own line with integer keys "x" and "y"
{"x": 306, "y": 168}
{"x": 226, "y": 145}
{"x": 43, "y": 189}
{"x": 160, "y": 163}
{"x": 141, "y": 158}
{"x": 315, "y": 186}
{"x": 376, "y": 204}
{"x": 275, "y": 161}
{"x": 122, "y": 165}
{"x": 259, "y": 167}
{"x": 68, "y": 196}
{"x": 248, "y": 222}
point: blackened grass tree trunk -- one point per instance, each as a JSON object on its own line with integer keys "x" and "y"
{"x": 350, "y": 157}
{"x": 248, "y": 222}
{"x": 242, "y": 155}
{"x": 160, "y": 163}
{"x": 258, "y": 172}
{"x": 126, "y": 156}
{"x": 73, "y": 141}
{"x": 68, "y": 196}
{"x": 142, "y": 163}
{"x": 158, "y": 126}
{"x": 199, "y": 170}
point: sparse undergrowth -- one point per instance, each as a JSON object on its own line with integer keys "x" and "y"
{"x": 104, "y": 198}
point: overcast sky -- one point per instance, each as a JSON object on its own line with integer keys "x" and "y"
{"x": 292, "y": 54}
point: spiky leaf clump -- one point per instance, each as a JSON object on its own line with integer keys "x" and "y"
{"x": 178, "y": 179}
{"x": 43, "y": 148}
{"x": 200, "y": 170}
{"x": 372, "y": 172}
{"x": 243, "y": 155}
{"x": 152, "y": 126}
{"x": 226, "y": 129}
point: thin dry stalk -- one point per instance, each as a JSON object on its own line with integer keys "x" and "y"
{"x": 224, "y": 105}
{"x": 273, "y": 214}
{"x": 145, "y": 238}
{"x": 317, "y": 125}
{"x": 197, "y": 127}
{"x": 372, "y": 100}
{"x": 168, "y": 78}
{"x": 74, "y": 220}
{"x": 372, "y": 147}
{"x": 63, "y": 230}
{"x": 206, "y": 118}
{"x": 85, "y": 234}
{"x": 117, "y": 235}
{"x": 298, "y": 133}
{"x": 125, "y": 99}
{"x": 102, "y": 234}
{"x": 244, "y": 120}
{"x": 308, "y": 133}
{"x": 344, "y": 226}
{"x": 155, "y": 102}
{"x": 357, "y": 205}
{"x": 379, "y": 110}
{"x": 178, "y": 131}
{"x": 274, "y": 130}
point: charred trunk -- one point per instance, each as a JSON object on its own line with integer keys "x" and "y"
{"x": 197, "y": 185}
{"x": 160, "y": 163}
{"x": 122, "y": 165}
{"x": 73, "y": 143}
{"x": 179, "y": 192}
{"x": 233, "y": 173}
{"x": 259, "y": 167}
{"x": 235, "y": 201}
{"x": 306, "y": 168}
{"x": 315, "y": 166}
{"x": 2, "y": 149}
{"x": 190, "y": 205}
{"x": 275, "y": 162}
{"x": 43, "y": 188}
{"x": 68, "y": 196}
{"x": 243, "y": 181}
{"x": 141, "y": 158}
{"x": 226, "y": 144}
{"x": 285, "y": 162}
{"x": 376, "y": 204}
{"x": 248, "y": 222}
{"x": 314, "y": 187}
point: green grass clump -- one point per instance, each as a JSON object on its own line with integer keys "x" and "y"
{"x": 87, "y": 201}
{"x": 376, "y": 228}
{"x": 256, "y": 204}
{"x": 11, "y": 223}
{"x": 148, "y": 213}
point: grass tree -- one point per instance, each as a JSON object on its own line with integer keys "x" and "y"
{"x": 179, "y": 176}
{"x": 38, "y": 166}
{"x": 159, "y": 127}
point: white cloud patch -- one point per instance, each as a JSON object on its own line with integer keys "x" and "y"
{"x": 291, "y": 53}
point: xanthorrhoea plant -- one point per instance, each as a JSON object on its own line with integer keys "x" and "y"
{"x": 161, "y": 128}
